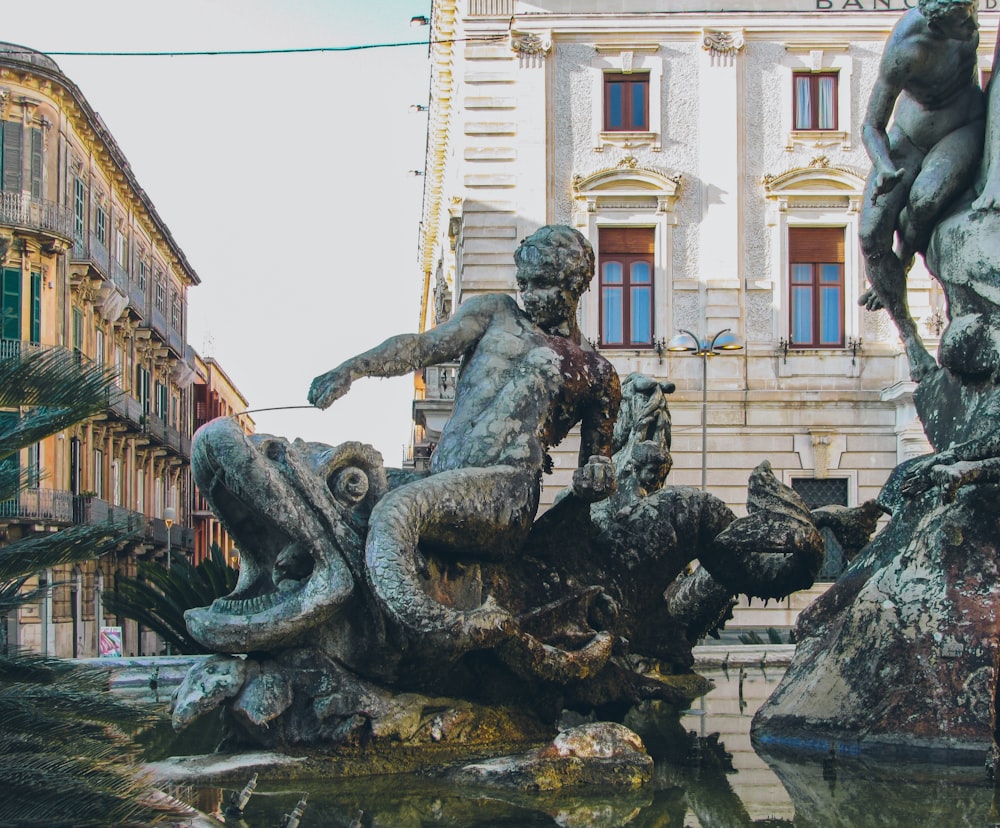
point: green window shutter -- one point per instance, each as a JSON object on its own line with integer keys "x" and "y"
{"x": 78, "y": 330}
{"x": 10, "y": 304}
{"x": 79, "y": 208}
{"x": 36, "y": 163}
{"x": 36, "y": 308}
{"x": 12, "y": 132}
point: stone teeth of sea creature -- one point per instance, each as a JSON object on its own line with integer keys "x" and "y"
{"x": 255, "y": 604}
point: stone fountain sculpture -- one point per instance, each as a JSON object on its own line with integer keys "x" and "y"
{"x": 379, "y": 607}
{"x": 903, "y": 652}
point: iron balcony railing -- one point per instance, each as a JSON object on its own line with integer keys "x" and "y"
{"x": 50, "y": 505}
{"x": 21, "y": 210}
{"x": 91, "y": 249}
{"x": 119, "y": 275}
{"x": 91, "y": 510}
{"x": 125, "y": 407}
{"x": 63, "y": 508}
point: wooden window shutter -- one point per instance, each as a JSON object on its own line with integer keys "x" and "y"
{"x": 12, "y": 131}
{"x": 637, "y": 241}
{"x": 36, "y": 163}
{"x": 816, "y": 244}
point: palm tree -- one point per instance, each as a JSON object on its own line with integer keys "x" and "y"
{"x": 158, "y": 598}
{"x": 66, "y": 756}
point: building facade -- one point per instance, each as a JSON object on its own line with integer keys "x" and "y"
{"x": 89, "y": 265}
{"x": 215, "y": 395}
{"x": 711, "y": 152}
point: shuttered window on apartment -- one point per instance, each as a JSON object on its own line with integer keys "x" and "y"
{"x": 10, "y": 304}
{"x": 35, "y": 332}
{"x": 10, "y": 157}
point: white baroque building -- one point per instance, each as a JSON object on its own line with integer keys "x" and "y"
{"x": 711, "y": 152}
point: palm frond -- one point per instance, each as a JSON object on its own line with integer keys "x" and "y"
{"x": 54, "y": 378}
{"x": 66, "y": 755}
{"x": 12, "y": 480}
{"x": 98, "y": 794}
{"x": 76, "y": 543}
{"x": 159, "y": 597}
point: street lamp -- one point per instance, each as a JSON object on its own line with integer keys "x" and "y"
{"x": 724, "y": 340}
{"x": 169, "y": 516}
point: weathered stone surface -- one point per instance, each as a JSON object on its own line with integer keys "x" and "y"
{"x": 602, "y": 753}
{"x": 901, "y": 653}
{"x": 369, "y": 598}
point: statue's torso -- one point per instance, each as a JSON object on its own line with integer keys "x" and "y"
{"x": 519, "y": 391}
{"x": 940, "y": 93}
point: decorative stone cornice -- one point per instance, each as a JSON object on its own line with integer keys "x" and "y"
{"x": 530, "y": 43}
{"x": 619, "y": 47}
{"x": 723, "y": 43}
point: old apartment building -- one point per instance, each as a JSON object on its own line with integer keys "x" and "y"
{"x": 89, "y": 265}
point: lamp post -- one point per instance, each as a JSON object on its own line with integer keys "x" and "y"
{"x": 724, "y": 340}
{"x": 169, "y": 516}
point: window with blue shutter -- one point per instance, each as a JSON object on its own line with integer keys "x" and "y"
{"x": 10, "y": 304}
{"x": 35, "y": 333}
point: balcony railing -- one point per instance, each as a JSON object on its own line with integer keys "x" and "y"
{"x": 157, "y": 320}
{"x": 137, "y": 298}
{"x": 20, "y": 210}
{"x": 55, "y": 506}
{"x": 92, "y": 250}
{"x": 92, "y": 511}
{"x": 49, "y": 505}
{"x": 181, "y": 537}
{"x": 439, "y": 381}
{"x": 491, "y": 8}
{"x": 125, "y": 407}
{"x": 119, "y": 275}
{"x": 13, "y": 348}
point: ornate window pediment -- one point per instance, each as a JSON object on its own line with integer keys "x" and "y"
{"x": 628, "y": 184}
{"x": 817, "y": 185}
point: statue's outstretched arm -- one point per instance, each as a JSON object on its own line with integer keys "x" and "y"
{"x": 404, "y": 353}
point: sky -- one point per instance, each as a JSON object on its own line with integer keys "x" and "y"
{"x": 285, "y": 179}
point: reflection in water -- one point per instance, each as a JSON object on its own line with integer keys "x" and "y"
{"x": 707, "y": 776}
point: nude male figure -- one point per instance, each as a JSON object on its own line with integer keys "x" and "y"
{"x": 527, "y": 378}
{"x": 926, "y": 158}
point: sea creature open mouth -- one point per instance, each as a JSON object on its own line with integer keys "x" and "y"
{"x": 279, "y": 501}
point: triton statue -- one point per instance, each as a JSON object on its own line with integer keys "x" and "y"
{"x": 379, "y": 604}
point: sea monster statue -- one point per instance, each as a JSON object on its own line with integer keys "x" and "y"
{"x": 421, "y": 608}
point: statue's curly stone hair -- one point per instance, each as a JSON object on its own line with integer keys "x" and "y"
{"x": 934, "y": 8}
{"x": 561, "y": 248}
